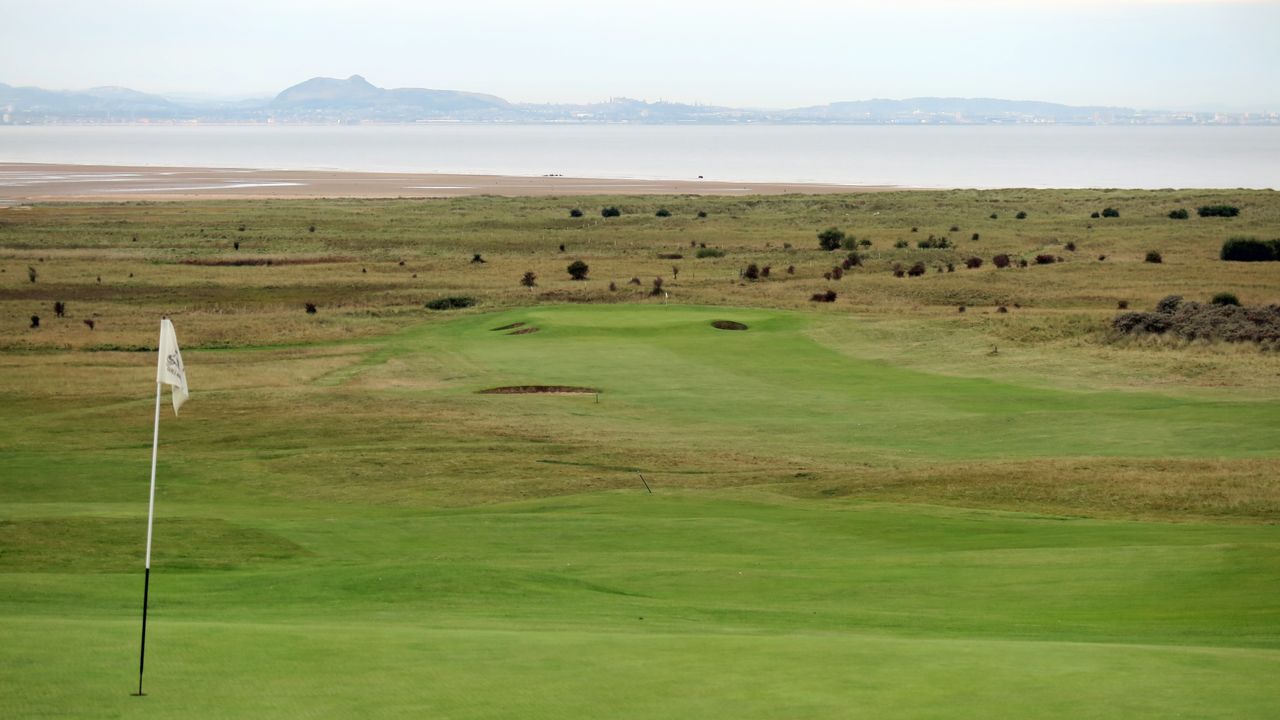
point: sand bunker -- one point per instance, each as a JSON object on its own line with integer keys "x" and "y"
{"x": 525, "y": 331}
{"x": 512, "y": 326}
{"x": 540, "y": 389}
{"x": 728, "y": 325}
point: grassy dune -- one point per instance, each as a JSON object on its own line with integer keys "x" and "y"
{"x": 875, "y": 508}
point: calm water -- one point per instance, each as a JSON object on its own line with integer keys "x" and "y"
{"x": 979, "y": 156}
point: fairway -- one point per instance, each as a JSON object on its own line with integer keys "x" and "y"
{"x": 879, "y": 507}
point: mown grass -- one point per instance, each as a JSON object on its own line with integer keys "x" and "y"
{"x": 875, "y": 508}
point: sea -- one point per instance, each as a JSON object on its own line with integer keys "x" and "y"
{"x": 924, "y": 156}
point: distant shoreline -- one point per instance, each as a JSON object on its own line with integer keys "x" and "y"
{"x": 58, "y": 182}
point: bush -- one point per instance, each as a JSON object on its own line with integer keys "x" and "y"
{"x": 59, "y": 309}
{"x": 973, "y": 263}
{"x": 1179, "y": 214}
{"x": 764, "y": 271}
{"x": 578, "y": 270}
{"x": 831, "y": 239}
{"x": 1123, "y": 304}
{"x": 1094, "y": 215}
{"x": 976, "y": 236}
{"x": 954, "y": 228}
{"x": 1070, "y": 246}
{"x": 310, "y": 307}
{"x": 1045, "y": 259}
{"x": 1022, "y": 215}
{"x": 1224, "y": 298}
{"x": 1154, "y": 257}
{"x": 994, "y": 216}
{"x": 791, "y": 269}
{"x": 1001, "y": 261}
{"x": 752, "y": 272}
{"x": 1169, "y": 304}
{"x": 663, "y": 212}
{"x": 613, "y": 286}
{"x": 450, "y": 303}
{"x": 670, "y": 256}
{"x": 35, "y": 322}
{"x": 1110, "y": 213}
{"x": 707, "y": 252}
{"x": 575, "y": 213}
{"x": 933, "y": 243}
{"x": 898, "y": 271}
{"x": 1193, "y": 321}
{"x": 837, "y": 272}
{"x": 32, "y": 273}
{"x": 900, "y": 244}
{"x": 702, "y": 213}
{"x": 610, "y": 211}
{"x": 90, "y": 324}
{"x": 828, "y": 296}
{"x": 477, "y": 259}
{"x": 634, "y": 281}
{"x": 1247, "y": 249}
{"x": 529, "y": 279}
{"x": 657, "y": 287}
{"x": 916, "y": 270}
{"x": 1218, "y": 211}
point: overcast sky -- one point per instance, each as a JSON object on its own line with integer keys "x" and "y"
{"x": 1138, "y": 53}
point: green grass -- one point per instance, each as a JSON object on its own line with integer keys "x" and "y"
{"x": 878, "y": 508}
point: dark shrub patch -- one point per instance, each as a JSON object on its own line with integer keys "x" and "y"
{"x": 1046, "y": 259}
{"x": 670, "y": 256}
{"x": 90, "y": 324}
{"x": 1070, "y": 246}
{"x": 1224, "y": 298}
{"x": 1001, "y": 261}
{"x": 1110, "y": 213}
{"x": 477, "y": 259}
{"x": 613, "y": 286}
{"x": 973, "y": 263}
{"x": 828, "y": 296}
{"x": 954, "y": 228}
{"x": 995, "y": 216}
{"x": 728, "y": 325}
{"x": 1022, "y": 215}
{"x": 1218, "y": 211}
{"x": 1094, "y": 215}
{"x": 59, "y": 309}
{"x": 791, "y": 269}
{"x": 575, "y": 213}
{"x": 752, "y": 272}
{"x": 702, "y": 213}
{"x": 898, "y": 271}
{"x": 976, "y": 236}
{"x": 578, "y": 270}
{"x": 311, "y": 308}
{"x": 1122, "y": 305}
{"x": 1169, "y": 304}
{"x": 764, "y": 271}
{"x": 1248, "y": 249}
{"x": 961, "y": 309}
{"x": 529, "y": 279}
{"x": 1153, "y": 257}
{"x": 663, "y": 212}
{"x": 35, "y": 322}
{"x": 900, "y": 244}
{"x": 1002, "y": 309}
{"x": 916, "y": 270}
{"x": 657, "y": 287}
{"x": 707, "y": 252}
{"x": 610, "y": 212}
{"x": 933, "y": 243}
{"x": 1179, "y": 214}
{"x": 310, "y": 228}
{"x": 837, "y": 272}
{"x": 1193, "y": 321}
{"x": 451, "y": 303}
{"x": 831, "y": 239}
{"x": 1022, "y": 262}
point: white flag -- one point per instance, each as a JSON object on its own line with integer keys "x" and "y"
{"x": 170, "y": 370}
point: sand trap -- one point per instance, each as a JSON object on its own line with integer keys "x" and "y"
{"x": 512, "y": 326}
{"x": 727, "y": 325}
{"x": 540, "y": 390}
{"x": 525, "y": 331}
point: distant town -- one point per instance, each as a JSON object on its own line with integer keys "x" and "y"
{"x": 355, "y": 100}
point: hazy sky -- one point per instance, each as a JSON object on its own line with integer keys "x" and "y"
{"x": 1140, "y": 53}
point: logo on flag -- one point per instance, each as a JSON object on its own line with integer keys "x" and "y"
{"x": 171, "y": 371}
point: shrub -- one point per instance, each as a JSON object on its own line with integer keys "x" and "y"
{"x": 450, "y": 303}
{"x": 529, "y": 279}
{"x": 1045, "y": 259}
{"x": 310, "y": 307}
{"x": 864, "y": 243}
{"x": 1169, "y": 304}
{"x": 634, "y": 281}
{"x": 831, "y": 239}
{"x": 933, "y": 243}
{"x": 1193, "y": 321}
{"x": 764, "y": 271}
{"x": 670, "y": 256}
{"x": 1001, "y": 261}
{"x": 850, "y": 243}
{"x": 702, "y": 213}
{"x": 955, "y": 228}
{"x": 1022, "y": 215}
{"x": 613, "y": 286}
{"x": 578, "y": 270}
{"x": 1070, "y": 246}
{"x": 1110, "y": 213}
{"x": 1154, "y": 257}
{"x": 35, "y": 322}
{"x": 900, "y": 244}
{"x": 973, "y": 263}
{"x": 752, "y": 272}
{"x": 575, "y": 213}
{"x": 1218, "y": 211}
{"x": 828, "y": 296}
{"x": 1247, "y": 249}
{"x": 961, "y": 309}
{"x": 994, "y": 216}
{"x": 916, "y": 270}
{"x": 236, "y": 245}
{"x": 477, "y": 259}
{"x": 610, "y": 211}
{"x": 837, "y": 272}
{"x": 1179, "y": 214}
{"x": 1123, "y": 305}
{"x": 657, "y": 287}
{"x": 90, "y": 323}
{"x": 791, "y": 269}
{"x": 1002, "y": 309}
{"x": 898, "y": 271}
{"x": 59, "y": 309}
{"x": 1224, "y": 298}
{"x": 976, "y": 236}
{"x": 561, "y": 247}
{"x": 707, "y": 252}
{"x": 915, "y": 229}
{"x": 1094, "y": 215}
{"x": 310, "y": 228}
{"x": 1022, "y": 262}
{"x": 32, "y": 273}
{"x": 663, "y": 212}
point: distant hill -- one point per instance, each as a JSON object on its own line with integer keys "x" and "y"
{"x": 355, "y": 99}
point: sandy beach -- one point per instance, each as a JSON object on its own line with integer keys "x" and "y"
{"x": 29, "y": 182}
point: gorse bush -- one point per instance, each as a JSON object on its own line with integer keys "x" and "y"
{"x": 1248, "y": 249}
{"x": 663, "y": 212}
{"x": 707, "y": 252}
{"x": 575, "y": 213}
{"x": 831, "y": 239}
{"x": 933, "y": 243}
{"x": 1022, "y": 215}
{"x": 1110, "y": 213}
{"x": 610, "y": 211}
{"x": 529, "y": 279}
{"x": 828, "y": 296}
{"x": 59, "y": 309}
{"x": 1001, "y": 261}
{"x": 1218, "y": 211}
{"x": 578, "y": 270}
{"x": 1223, "y": 321}
{"x": 916, "y": 270}
{"x": 1224, "y": 298}
{"x": 1044, "y": 259}
{"x": 451, "y": 303}
{"x": 752, "y": 272}
{"x": 900, "y": 244}
{"x": 973, "y": 263}
{"x": 1154, "y": 256}
{"x": 1179, "y": 214}
{"x": 310, "y": 308}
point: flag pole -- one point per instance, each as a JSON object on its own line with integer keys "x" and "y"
{"x": 151, "y": 511}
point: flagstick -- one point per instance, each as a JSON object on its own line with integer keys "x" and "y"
{"x": 151, "y": 511}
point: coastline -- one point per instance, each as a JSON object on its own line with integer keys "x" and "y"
{"x": 58, "y": 182}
